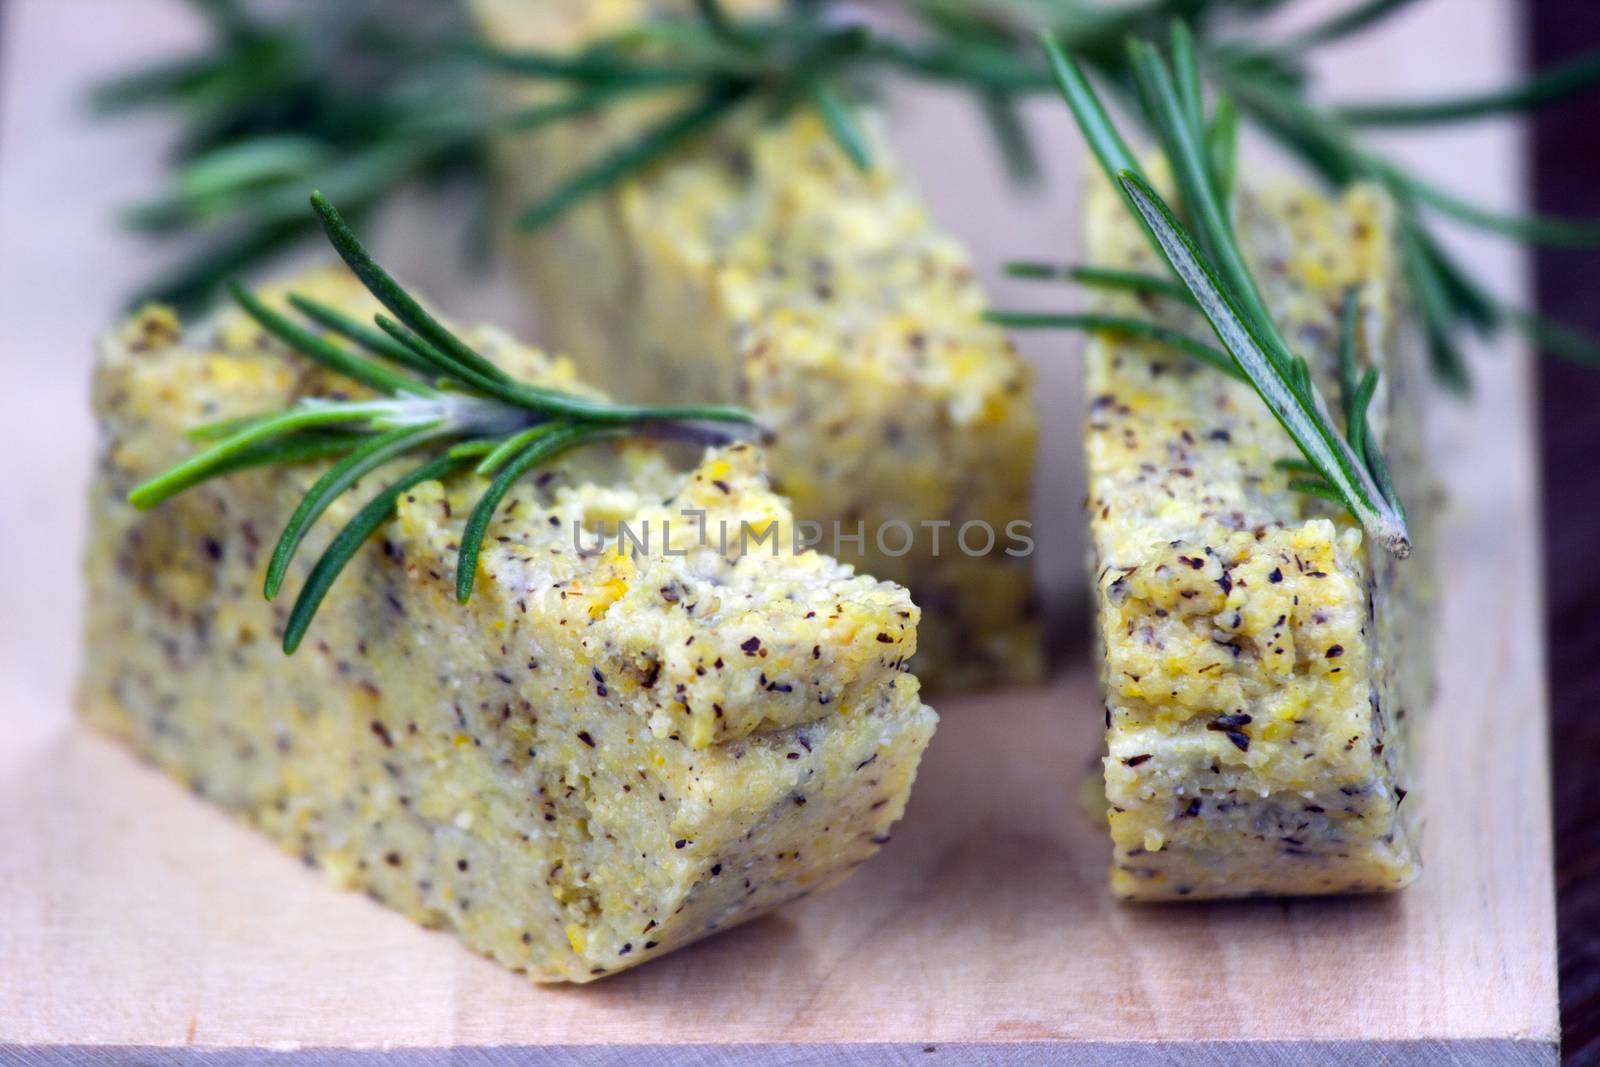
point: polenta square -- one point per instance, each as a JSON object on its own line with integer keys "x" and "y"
{"x": 1262, "y": 661}
{"x": 607, "y": 753}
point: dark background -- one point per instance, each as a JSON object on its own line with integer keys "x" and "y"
{"x": 1567, "y": 179}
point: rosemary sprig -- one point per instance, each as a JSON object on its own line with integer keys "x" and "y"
{"x": 359, "y": 98}
{"x": 1543, "y": 88}
{"x": 334, "y": 96}
{"x": 365, "y": 97}
{"x": 464, "y": 411}
{"x": 1211, "y": 268}
{"x": 1270, "y": 85}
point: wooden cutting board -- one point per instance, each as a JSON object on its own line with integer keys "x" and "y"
{"x": 135, "y": 922}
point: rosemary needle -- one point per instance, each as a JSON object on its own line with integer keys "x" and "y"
{"x": 349, "y": 541}
{"x": 1542, "y": 88}
{"x": 351, "y": 330}
{"x": 1210, "y": 355}
{"x": 1100, "y": 277}
{"x": 357, "y": 463}
{"x": 539, "y": 450}
{"x": 367, "y": 372}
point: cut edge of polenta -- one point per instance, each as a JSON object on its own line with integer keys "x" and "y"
{"x": 611, "y": 751}
{"x": 1262, "y": 662}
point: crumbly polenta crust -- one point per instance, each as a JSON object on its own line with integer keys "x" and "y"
{"x": 1261, "y": 660}
{"x": 606, "y": 754}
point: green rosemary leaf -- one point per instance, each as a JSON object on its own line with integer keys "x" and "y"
{"x": 1542, "y": 88}
{"x": 1349, "y": 330}
{"x": 544, "y": 448}
{"x": 840, "y": 120}
{"x": 226, "y": 181}
{"x": 235, "y": 168}
{"x": 1467, "y": 296}
{"x": 217, "y": 429}
{"x": 349, "y": 541}
{"x": 1540, "y": 229}
{"x": 644, "y": 414}
{"x": 1301, "y": 374}
{"x": 1181, "y": 141}
{"x": 282, "y": 452}
{"x": 633, "y": 156}
{"x": 362, "y": 460}
{"x": 1346, "y": 23}
{"x": 192, "y": 283}
{"x": 1323, "y": 144}
{"x": 819, "y": 60}
{"x": 1359, "y": 402}
{"x": 209, "y": 463}
{"x": 589, "y": 68}
{"x": 498, "y": 456}
{"x": 1295, "y": 464}
{"x": 228, "y": 16}
{"x": 1301, "y": 415}
{"x": 1222, "y": 146}
{"x": 993, "y": 68}
{"x": 1556, "y": 338}
{"x": 357, "y": 368}
{"x": 474, "y": 449}
{"x": 1282, "y": 72}
{"x": 1094, "y": 323}
{"x": 1433, "y": 307}
{"x": 1186, "y": 76}
{"x": 722, "y": 27}
{"x": 159, "y": 83}
{"x": 1010, "y": 132}
{"x": 553, "y": 402}
{"x": 1100, "y": 278}
{"x": 372, "y": 340}
{"x": 392, "y": 296}
{"x": 359, "y": 179}
{"x": 538, "y": 116}
{"x": 1318, "y": 488}
{"x": 1448, "y": 361}
{"x": 1380, "y": 474}
{"x": 1098, "y": 129}
{"x": 440, "y": 363}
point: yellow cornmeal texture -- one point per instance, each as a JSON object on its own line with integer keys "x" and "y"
{"x": 602, "y": 757}
{"x": 762, "y": 267}
{"x": 1261, "y": 660}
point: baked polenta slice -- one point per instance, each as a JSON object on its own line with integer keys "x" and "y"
{"x": 761, "y": 266}
{"x": 1262, "y": 660}
{"x": 613, "y": 749}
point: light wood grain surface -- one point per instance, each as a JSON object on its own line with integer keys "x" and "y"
{"x": 135, "y": 920}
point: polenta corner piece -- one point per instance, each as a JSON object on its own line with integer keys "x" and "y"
{"x": 613, "y": 748}
{"x": 758, "y": 264}
{"x": 1262, "y": 659}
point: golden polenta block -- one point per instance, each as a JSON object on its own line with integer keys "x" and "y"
{"x": 760, "y": 266}
{"x": 611, "y": 751}
{"x": 1261, "y": 659}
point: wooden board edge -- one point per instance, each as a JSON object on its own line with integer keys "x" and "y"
{"x": 1426, "y": 1052}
